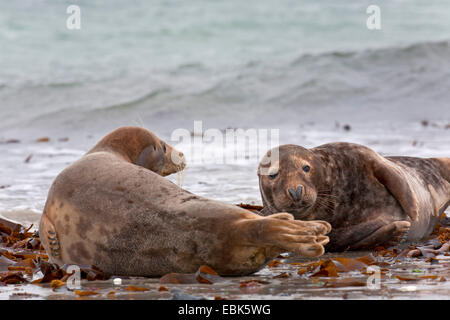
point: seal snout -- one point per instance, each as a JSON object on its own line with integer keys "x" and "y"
{"x": 296, "y": 194}
{"x": 179, "y": 160}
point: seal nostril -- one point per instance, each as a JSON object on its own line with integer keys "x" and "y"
{"x": 299, "y": 192}
{"x": 293, "y": 194}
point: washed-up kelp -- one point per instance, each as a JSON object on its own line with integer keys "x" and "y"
{"x": 24, "y": 260}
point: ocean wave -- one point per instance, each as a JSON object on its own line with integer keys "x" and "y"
{"x": 437, "y": 49}
{"x": 133, "y": 101}
{"x": 393, "y": 78}
{"x": 390, "y": 83}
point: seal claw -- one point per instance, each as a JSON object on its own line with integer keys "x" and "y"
{"x": 51, "y": 240}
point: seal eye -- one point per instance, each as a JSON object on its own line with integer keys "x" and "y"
{"x": 273, "y": 175}
{"x": 164, "y": 147}
{"x": 306, "y": 168}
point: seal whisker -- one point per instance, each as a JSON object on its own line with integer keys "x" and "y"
{"x": 325, "y": 204}
{"x": 322, "y": 198}
{"x": 327, "y": 195}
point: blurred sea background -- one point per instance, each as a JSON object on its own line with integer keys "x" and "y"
{"x": 311, "y": 69}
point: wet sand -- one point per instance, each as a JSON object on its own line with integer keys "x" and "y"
{"x": 294, "y": 287}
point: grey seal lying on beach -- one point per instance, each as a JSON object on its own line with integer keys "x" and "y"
{"x": 113, "y": 209}
{"x": 369, "y": 200}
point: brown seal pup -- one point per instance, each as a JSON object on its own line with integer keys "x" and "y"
{"x": 369, "y": 200}
{"x": 113, "y": 209}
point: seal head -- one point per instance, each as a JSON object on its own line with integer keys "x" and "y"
{"x": 142, "y": 148}
{"x": 290, "y": 183}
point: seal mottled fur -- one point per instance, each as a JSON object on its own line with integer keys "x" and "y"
{"x": 368, "y": 199}
{"x": 113, "y": 209}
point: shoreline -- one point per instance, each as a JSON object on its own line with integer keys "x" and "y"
{"x": 331, "y": 276}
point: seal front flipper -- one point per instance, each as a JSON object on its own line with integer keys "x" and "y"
{"x": 397, "y": 183}
{"x": 388, "y": 235}
{"x": 444, "y": 167}
{"x": 265, "y": 212}
{"x": 49, "y": 238}
{"x": 368, "y": 235}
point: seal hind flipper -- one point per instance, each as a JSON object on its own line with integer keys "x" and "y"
{"x": 393, "y": 179}
{"x": 49, "y": 236}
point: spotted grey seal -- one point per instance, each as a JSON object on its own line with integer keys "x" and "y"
{"x": 369, "y": 200}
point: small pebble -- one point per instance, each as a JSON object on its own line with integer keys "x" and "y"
{"x": 117, "y": 281}
{"x": 177, "y": 294}
{"x": 408, "y": 288}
